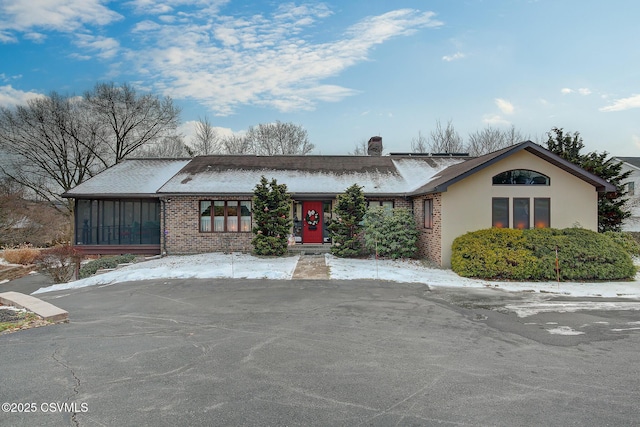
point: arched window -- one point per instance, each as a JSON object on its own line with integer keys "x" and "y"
{"x": 520, "y": 177}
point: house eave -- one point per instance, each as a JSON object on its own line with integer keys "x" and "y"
{"x": 110, "y": 196}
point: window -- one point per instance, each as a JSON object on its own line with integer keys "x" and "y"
{"x": 631, "y": 188}
{"x": 500, "y": 212}
{"x": 520, "y": 177}
{"x": 117, "y": 222}
{"x": 228, "y": 216}
{"x": 542, "y": 212}
{"x": 428, "y": 213}
{"x": 386, "y": 204}
{"x": 520, "y": 213}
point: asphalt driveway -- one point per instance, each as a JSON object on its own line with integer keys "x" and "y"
{"x": 299, "y": 353}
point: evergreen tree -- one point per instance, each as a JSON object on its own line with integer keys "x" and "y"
{"x": 345, "y": 230}
{"x": 611, "y": 207}
{"x": 271, "y": 216}
{"x": 566, "y": 146}
{"x": 611, "y": 210}
{"x": 390, "y": 234}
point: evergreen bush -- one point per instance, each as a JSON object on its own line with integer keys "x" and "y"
{"x": 91, "y": 267}
{"x": 390, "y": 234}
{"x": 626, "y": 240}
{"x": 509, "y": 254}
{"x": 345, "y": 229}
{"x": 271, "y": 216}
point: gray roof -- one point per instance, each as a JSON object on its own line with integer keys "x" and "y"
{"x": 305, "y": 176}
{"x": 460, "y": 171}
{"x": 633, "y": 161}
{"x": 130, "y": 178}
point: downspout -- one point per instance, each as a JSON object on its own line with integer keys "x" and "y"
{"x": 163, "y": 230}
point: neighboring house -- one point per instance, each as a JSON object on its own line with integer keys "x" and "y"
{"x": 633, "y": 191}
{"x": 179, "y": 206}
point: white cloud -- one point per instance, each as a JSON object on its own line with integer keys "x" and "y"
{"x": 582, "y": 91}
{"x": 495, "y": 119}
{"x": 227, "y": 61}
{"x": 106, "y": 47}
{"x": 158, "y": 7}
{"x": 457, "y": 55}
{"x": 58, "y": 15}
{"x": 10, "y": 97}
{"x": 505, "y": 106}
{"x": 623, "y": 104}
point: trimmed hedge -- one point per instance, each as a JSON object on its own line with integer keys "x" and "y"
{"x": 508, "y": 254}
{"x": 90, "y": 268}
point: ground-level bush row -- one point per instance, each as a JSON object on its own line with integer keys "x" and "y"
{"x": 91, "y": 267}
{"x": 531, "y": 254}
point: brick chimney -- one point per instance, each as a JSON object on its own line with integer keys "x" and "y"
{"x": 375, "y": 146}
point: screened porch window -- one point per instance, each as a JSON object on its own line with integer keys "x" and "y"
{"x": 117, "y": 222}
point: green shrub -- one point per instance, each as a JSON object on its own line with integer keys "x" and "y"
{"x": 531, "y": 255}
{"x": 626, "y": 240}
{"x": 91, "y": 267}
{"x": 271, "y": 205}
{"x": 392, "y": 234}
{"x": 345, "y": 230}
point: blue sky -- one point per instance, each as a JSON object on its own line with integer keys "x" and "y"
{"x": 345, "y": 70}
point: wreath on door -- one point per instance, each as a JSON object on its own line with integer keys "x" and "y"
{"x": 312, "y": 217}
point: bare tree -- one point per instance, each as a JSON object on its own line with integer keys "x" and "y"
{"x": 279, "y": 138}
{"x": 170, "y": 147}
{"x": 130, "y": 120}
{"x": 445, "y": 140}
{"x": 513, "y": 136}
{"x": 26, "y": 221}
{"x": 51, "y": 146}
{"x": 55, "y": 142}
{"x": 360, "y": 148}
{"x": 419, "y": 144}
{"x": 235, "y": 144}
{"x": 492, "y": 139}
{"x": 206, "y": 140}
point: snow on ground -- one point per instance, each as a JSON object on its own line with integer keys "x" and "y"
{"x": 216, "y": 265}
{"x": 202, "y": 266}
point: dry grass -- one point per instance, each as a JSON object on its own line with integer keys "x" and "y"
{"x": 24, "y": 255}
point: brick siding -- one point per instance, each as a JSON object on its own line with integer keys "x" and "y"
{"x": 429, "y": 239}
{"x": 182, "y": 233}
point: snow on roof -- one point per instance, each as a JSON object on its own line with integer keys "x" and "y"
{"x": 312, "y": 176}
{"x": 130, "y": 177}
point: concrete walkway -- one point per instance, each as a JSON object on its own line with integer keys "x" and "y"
{"x": 311, "y": 267}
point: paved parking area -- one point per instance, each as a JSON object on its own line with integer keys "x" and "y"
{"x": 325, "y": 353}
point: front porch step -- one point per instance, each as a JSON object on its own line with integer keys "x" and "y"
{"x": 310, "y": 249}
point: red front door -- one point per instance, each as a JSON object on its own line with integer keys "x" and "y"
{"x": 312, "y": 222}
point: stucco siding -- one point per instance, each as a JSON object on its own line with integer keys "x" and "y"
{"x": 466, "y": 205}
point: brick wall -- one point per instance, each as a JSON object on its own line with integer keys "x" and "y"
{"x": 181, "y": 233}
{"x": 429, "y": 239}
